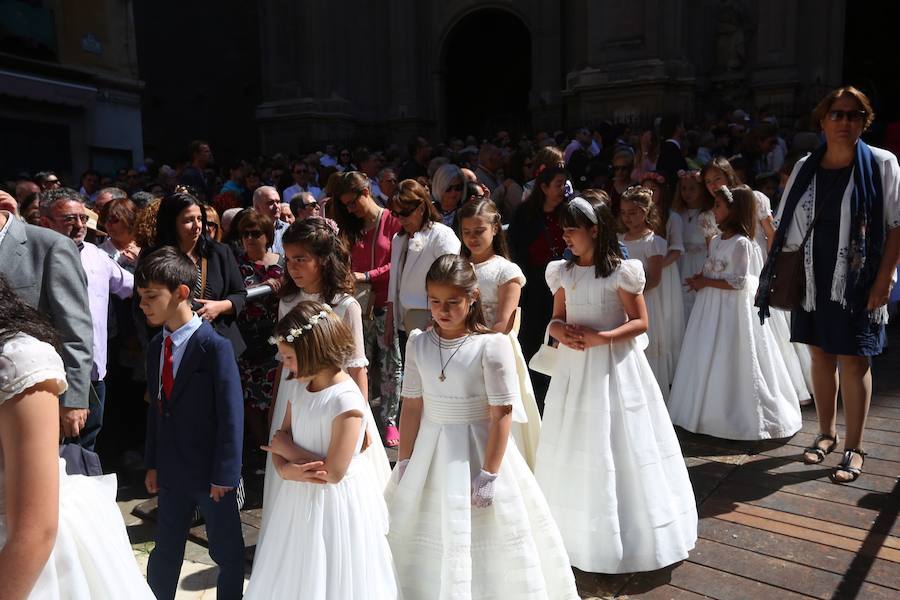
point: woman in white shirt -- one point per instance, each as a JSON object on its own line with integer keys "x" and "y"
{"x": 422, "y": 240}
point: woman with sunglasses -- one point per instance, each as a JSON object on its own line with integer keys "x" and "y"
{"x": 367, "y": 230}
{"x": 421, "y": 241}
{"x": 848, "y": 194}
{"x": 446, "y": 193}
{"x": 257, "y": 364}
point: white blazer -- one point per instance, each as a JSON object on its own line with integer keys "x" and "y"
{"x": 406, "y": 290}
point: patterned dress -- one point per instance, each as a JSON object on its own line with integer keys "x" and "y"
{"x": 257, "y": 323}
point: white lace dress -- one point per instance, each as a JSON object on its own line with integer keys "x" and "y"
{"x": 92, "y": 558}
{"x": 348, "y": 310}
{"x": 609, "y": 462}
{"x": 326, "y": 541}
{"x": 663, "y": 349}
{"x": 699, "y": 226}
{"x": 731, "y": 381}
{"x": 526, "y": 429}
{"x": 443, "y": 547}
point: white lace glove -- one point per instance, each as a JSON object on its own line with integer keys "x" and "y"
{"x": 400, "y": 469}
{"x": 483, "y": 489}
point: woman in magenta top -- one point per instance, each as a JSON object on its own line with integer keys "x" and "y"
{"x": 367, "y": 229}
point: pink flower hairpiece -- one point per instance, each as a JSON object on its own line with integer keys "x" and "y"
{"x": 694, "y": 174}
{"x": 653, "y": 176}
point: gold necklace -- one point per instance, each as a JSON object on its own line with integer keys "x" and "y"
{"x": 578, "y": 278}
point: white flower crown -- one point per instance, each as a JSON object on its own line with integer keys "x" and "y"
{"x": 296, "y": 332}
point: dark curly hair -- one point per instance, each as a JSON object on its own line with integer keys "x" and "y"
{"x": 17, "y": 317}
{"x": 320, "y": 240}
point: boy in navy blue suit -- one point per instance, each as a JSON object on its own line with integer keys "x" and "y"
{"x": 194, "y": 427}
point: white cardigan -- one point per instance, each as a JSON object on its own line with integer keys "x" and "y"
{"x": 407, "y": 290}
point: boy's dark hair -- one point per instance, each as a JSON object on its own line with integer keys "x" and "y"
{"x": 169, "y": 267}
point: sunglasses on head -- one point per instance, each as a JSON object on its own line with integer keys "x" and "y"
{"x": 850, "y": 115}
{"x": 403, "y": 213}
{"x": 251, "y": 233}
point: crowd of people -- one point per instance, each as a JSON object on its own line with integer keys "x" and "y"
{"x": 320, "y": 308}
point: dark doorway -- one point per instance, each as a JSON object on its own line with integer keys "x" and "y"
{"x": 487, "y": 61}
{"x": 869, "y": 44}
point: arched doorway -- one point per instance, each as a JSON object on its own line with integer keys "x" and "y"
{"x": 487, "y": 65}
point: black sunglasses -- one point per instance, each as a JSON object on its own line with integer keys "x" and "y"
{"x": 252, "y": 233}
{"x": 310, "y": 205}
{"x": 850, "y": 115}
{"x": 403, "y": 213}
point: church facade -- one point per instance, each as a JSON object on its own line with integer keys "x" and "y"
{"x": 379, "y": 71}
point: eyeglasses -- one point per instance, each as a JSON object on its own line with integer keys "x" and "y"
{"x": 251, "y": 233}
{"x": 389, "y": 180}
{"x": 72, "y": 219}
{"x": 455, "y": 188}
{"x": 301, "y": 171}
{"x": 851, "y": 115}
{"x": 311, "y": 205}
{"x": 402, "y": 214}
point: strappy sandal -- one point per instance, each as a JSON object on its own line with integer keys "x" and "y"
{"x": 845, "y": 467}
{"x": 820, "y": 452}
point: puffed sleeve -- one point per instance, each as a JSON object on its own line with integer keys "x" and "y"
{"x": 27, "y": 362}
{"x": 890, "y": 177}
{"x": 763, "y": 206}
{"x": 739, "y": 265}
{"x": 412, "y": 379}
{"x": 553, "y": 275}
{"x": 675, "y": 232}
{"x": 510, "y": 271}
{"x": 353, "y": 321}
{"x": 501, "y": 381}
{"x": 708, "y": 225}
{"x": 631, "y": 277}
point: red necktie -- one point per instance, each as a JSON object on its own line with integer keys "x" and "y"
{"x": 168, "y": 373}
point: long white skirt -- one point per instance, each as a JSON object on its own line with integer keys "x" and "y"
{"x": 444, "y": 548}
{"x": 326, "y": 541}
{"x": 665, "y": 330}
{"x": 610, "y": 464}
{"x": 732, "y": 382}
{"x": 796, "y": 356}
{"x": 92, "y": 558}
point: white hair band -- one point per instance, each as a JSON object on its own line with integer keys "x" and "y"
{"x": 584, "y": 207}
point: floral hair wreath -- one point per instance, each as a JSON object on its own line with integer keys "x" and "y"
{"x": 693, "y": 174}
{"x": 652, "y": 176}
{"x": 296, "y": 332}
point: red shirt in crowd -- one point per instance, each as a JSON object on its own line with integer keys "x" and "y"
{"x": 379, "y": 270}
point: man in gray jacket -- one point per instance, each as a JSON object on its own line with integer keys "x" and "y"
{"x": 44, "y": 269}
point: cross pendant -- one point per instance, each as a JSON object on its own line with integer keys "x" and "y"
{"x": 442, "y": 377}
